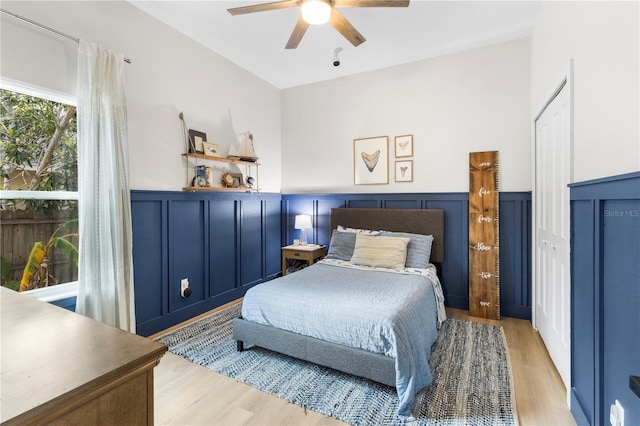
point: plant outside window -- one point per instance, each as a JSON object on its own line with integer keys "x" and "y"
{"x": 38, "y": 154}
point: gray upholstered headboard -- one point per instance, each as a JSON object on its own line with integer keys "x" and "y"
{"x": 416, "y": 221}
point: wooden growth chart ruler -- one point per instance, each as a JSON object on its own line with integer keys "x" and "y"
{"x": 484, "y": 241}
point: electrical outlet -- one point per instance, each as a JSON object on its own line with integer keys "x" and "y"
{"x": 616, "y": 414}
{"x": 620, "y": 413}
{"x": 613, "y": 415}
{"x": 185, "y": 291}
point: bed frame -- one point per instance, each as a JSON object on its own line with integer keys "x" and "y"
{"x": 376, "y": 367}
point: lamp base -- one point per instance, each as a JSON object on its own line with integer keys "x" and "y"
{"x": 303, "y": 237}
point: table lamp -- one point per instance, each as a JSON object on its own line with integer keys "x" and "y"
{"x": 303, "y": 222}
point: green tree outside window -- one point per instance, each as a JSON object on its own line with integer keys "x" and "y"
{"x": 38, "y": 152}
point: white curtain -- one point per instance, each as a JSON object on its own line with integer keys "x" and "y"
{"x": 105, "y": 266}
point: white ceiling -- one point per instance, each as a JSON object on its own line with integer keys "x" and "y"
{"x": 394, "y": 36}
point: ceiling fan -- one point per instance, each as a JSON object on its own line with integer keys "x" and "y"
{"x": 318, "y": 12}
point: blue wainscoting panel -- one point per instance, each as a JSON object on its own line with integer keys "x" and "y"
{"x": 605, "y": 297}
{"x": 583, "y": 314}
{"x": 224, "y": 243}
{"x": 187, "y": 232}
{"x": 621, "y": 302}
{"x": 225, "y": 248}
{"x": 515, "y": 255}
{"x": 271, "y": 220}
{"x": 251, "y": 227}
{"x": 402, "y": 204}
{"x": 368, "y": 202}
{"x": 318, "y": 206}
{"x": 515, "y": 231}
{"x": 455, "y": 268}
{"x": 149, "y": 223}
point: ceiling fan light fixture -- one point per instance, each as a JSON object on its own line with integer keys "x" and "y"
{"x": 316, "y": 12}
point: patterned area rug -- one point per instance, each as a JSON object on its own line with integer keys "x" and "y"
{"x": 472, "y": 382}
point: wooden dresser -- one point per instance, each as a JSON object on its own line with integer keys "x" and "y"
{"x": 59, "y": 367}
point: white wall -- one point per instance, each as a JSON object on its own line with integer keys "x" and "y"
{"x": 477, "y": 100}
{"x": 170, "y": 73}
{"x": 603, "y": 40}
{"x": 481, "y": 99}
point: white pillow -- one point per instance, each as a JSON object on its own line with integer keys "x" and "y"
{"x": 357, "y": 230}
{"x": 381, "y": 252}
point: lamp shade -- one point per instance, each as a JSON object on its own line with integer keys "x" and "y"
{"x": 303, "y": 221}
{"x": 316, "y": 12}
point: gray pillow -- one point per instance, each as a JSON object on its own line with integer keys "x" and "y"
{"x": 341, "y": 245}
{"x": 418, "y": 250}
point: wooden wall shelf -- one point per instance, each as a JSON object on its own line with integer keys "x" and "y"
{"x": 217, "y": 188}
{"x": 197, "y": 157}
{"x": 220, "y": 159}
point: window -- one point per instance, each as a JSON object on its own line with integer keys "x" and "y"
{"x": 38, "y": 190}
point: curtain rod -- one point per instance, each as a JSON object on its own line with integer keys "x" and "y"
{"x": 44, "y": 27}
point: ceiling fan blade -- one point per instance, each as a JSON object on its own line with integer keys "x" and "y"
{"x": 264, "y": 7}
{"x": 370, "y": 3}
{"x": 298, "y": 32}
{"x": 344, "y": 27}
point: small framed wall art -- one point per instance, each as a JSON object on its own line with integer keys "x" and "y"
{"x": 404, "y": 171}
{"x": 371, "y": 161}
{"x": 202, "y": 177}
{"x": 404, "y": 146}
{"x": 238, "y": 180}
{"x": 196, "y": 139}
{"x": 211, "y": 149}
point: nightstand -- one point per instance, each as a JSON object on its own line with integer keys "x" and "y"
{"x": 310, "y": 253}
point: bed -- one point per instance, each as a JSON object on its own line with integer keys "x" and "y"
{"x": 362, "y": 320}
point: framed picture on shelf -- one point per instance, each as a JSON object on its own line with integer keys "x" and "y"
{"x": 202, "y": 177}
{"x": 238, "y": 180}
{"x": 196, "y": 140}
{"x": 371, "y": 161}
{"x": 404, "y": 146}
{"x": 211, "y": 149}
{"x": 404, "y": 171}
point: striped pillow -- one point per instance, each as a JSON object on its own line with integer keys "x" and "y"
{"x": 382, "y": 252}
{"x": 341, "y": 245}
{"x": 418, "y": 250}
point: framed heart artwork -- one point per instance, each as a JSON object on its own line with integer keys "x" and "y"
{"x": 404, "y": 171}
{"x": 371, "y": 161}
{"x": 404, "y": 146}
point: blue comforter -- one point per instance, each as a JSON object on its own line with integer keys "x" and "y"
{"x": 394, "y": 314}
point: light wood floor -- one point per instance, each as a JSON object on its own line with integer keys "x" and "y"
{"x": 186, "y": 393}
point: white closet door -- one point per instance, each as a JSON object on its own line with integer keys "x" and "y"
{"x": 552, "y": 275}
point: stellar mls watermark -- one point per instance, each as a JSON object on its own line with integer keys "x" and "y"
{"x": 622, "y": 213}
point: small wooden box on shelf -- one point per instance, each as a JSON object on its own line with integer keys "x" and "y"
{"x": 310, "y": 253}
{"x": 198, "y": 156}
